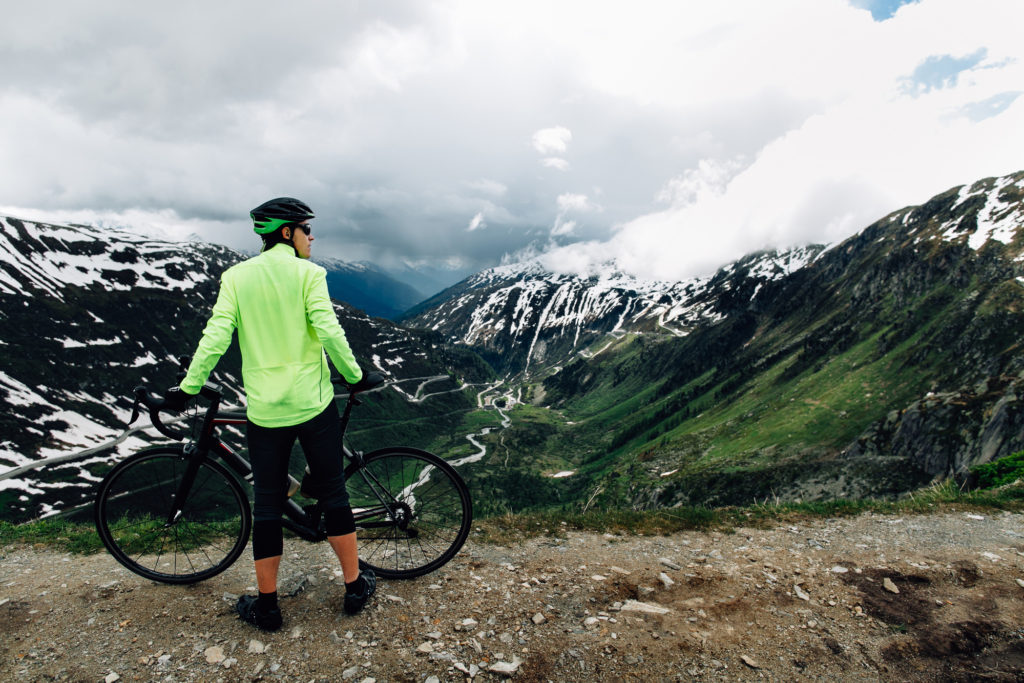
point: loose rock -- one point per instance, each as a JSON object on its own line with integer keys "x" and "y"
{"x": 637, "y": 606}
{"x": 506, "y": 668}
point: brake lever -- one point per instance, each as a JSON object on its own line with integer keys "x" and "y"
{"x": 139, "y": 392}
{"x": 135, "y": 412}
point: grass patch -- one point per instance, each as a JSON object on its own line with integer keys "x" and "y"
{"x": 510, "y": 528}
{"x": 53, "y": 533}
{"x": 1001, "y": 472}
{"x": 946, "y": 497}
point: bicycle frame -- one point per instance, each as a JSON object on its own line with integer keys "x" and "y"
{"x": 295, "y": 518}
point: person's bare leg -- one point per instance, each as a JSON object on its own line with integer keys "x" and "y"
{"x": 348, "y": 554}
{"x": 266, "y": 573}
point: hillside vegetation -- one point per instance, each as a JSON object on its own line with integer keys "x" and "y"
{"x": 890, "y": 361}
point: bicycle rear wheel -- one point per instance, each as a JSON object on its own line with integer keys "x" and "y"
{"x": 413, "y": 511}
{"x": 133, "y": 514}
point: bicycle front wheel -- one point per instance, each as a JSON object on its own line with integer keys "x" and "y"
{"x": 137, "y": 520}
{"x": 413, "y": 511}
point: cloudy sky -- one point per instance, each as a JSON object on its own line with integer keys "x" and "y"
{"x": 673, "y": 136}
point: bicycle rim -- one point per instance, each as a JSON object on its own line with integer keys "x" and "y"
{"x": 427, "y": 518}
{"x": 133, "y": 510}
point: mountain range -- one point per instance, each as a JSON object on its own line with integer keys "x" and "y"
{"x": 88, "y": 314}
{"x": 367, "y": 287}
{"x": 869, "y": 367}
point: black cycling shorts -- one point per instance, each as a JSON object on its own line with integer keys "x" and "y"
{"x": 270, "y": 449}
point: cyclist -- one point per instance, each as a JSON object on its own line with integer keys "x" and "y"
{"x": 278, "y": 303}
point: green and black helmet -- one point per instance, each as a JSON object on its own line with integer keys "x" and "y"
{"x": 277, "y": 213}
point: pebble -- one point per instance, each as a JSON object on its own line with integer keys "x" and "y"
{"x": 750, "y": 661}
{"x": 350, "y": 672}
{"x": 1020, "y": 582}
{"x": 432, "y": 679}
{"x": 800, "y": 593}
{"x": 507, "y": 668}
{"x": 214, "y": 655}
{"x": 839, "y": 569}
{"x": 425, "y": 648}
{"x": 669, "y": 563}
{"x": 666, "y": 580}
{"x": 256, "y": 647}
{"x": 111, "y": 677}
{"x": 539, "y": 618}
{"x": 888, "y": 585}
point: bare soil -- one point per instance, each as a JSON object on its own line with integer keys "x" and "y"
{"x": 794, "y": 603}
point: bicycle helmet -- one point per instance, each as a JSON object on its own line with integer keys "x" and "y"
{"x": 271, "y": 216}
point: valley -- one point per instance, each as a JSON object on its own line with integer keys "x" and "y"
{"x": 864, "y": 369}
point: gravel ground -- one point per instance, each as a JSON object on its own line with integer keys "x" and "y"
{"x": 934, "y": 597}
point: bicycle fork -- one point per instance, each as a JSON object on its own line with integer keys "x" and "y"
{"x": 193, "y": 458}
{"x": 194, "y": 453}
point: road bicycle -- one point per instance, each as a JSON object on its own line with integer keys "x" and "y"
{"x": 179, "y": 513}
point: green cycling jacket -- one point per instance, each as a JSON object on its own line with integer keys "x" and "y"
{"x": 284, "y": 317}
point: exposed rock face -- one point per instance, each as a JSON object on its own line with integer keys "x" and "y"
{"x": 948, "y": 433}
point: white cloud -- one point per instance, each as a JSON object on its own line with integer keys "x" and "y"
{"x": 552, "y": 140}
{"x": 556, "y": 163}
{"x": 488, "y": 187}
{"x": 563, "y": 227}
{"x": 573, "y": 202}
{"x": 477, "y": 222}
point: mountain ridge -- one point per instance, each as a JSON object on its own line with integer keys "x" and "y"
{"x": 88, "y": 314}
{"x": 810, "y": 381}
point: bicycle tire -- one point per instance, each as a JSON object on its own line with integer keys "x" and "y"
{"x": 133, "y": 504}
{"x": 432, "y": 518}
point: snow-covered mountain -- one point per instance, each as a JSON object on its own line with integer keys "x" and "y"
{"x": 523, "y": 314}
{"x": 87, "y": 313}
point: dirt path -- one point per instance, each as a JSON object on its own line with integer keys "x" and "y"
{"x": 814, "y": 602}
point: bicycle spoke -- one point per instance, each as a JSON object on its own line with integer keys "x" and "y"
{"x": 207, "y": 534}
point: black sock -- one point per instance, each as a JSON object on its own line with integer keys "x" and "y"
{"x": 358, "y": 586}
{"x": 266, "y": 601}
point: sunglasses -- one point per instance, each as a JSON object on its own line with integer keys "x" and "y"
{"x": 304, "y": 228}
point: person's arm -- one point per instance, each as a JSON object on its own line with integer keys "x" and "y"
{"x": 215, "y": 341}
{"x": 322, "y": 317}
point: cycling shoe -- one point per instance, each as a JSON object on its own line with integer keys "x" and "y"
{"x": 269, "y": 620}
{"x": 354, "y": 602}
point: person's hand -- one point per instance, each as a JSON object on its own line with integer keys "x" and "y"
{"x": 176, "y": 400}
{"x": 370, "y": 380}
